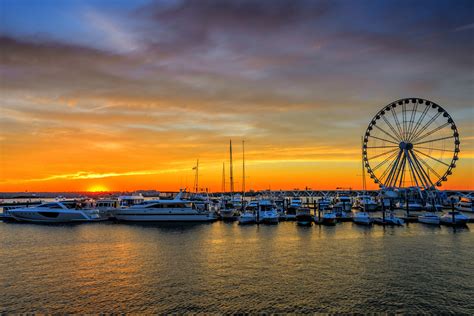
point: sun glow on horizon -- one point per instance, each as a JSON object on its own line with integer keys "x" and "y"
{"x": 98, "y": 188}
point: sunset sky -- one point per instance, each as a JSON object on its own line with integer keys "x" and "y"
{"x": 126, "y": 95}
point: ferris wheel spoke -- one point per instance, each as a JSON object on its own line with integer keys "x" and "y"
{"x": 390, "y": 166}
{"x": 382, "y": 146}
{"x": 382, "y": 154}
{"x": 384, "y": 161}
{"x": 412, "y": 171}
{"x": 412, "y": 117}
{"x": 404, "y": 121}
{"x": 420, "y": 120}
{"x": 400, "y": 170}
{"x": 385, "y": 140}
{"x": 391, "y": 128}
{"x": 423, "y": 172}
{"x": 395, "y": 116}
{"x": 418, "y": 173}
{"x": 433, "y": 140}
{"x": 426, "y": 165}
{"x": 393, "y": 169}
{"x": 441, "y": 162}
{"x": 431, "y": 132}
{"x": 426, "y": 126}
{"x": 438, "y": 149}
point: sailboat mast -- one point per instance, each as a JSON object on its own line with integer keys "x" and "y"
{"x": 231, "y": 171}
{"x": 243, "y": 169}
{"x": 223, "y": 177}
{"x": 196, "y": 177}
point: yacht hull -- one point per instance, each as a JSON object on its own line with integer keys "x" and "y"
{"x": 165, "y": 218}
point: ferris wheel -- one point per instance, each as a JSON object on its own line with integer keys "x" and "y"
{"x": 411, "y": 142}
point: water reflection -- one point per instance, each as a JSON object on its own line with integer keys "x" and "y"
{"x": 225, "y": 267}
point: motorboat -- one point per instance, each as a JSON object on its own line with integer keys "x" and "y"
{"x": 413, "y": 206}
{"x": 323, "y": 204}
{"x": 366, "y": 203}
{"x": 329, "y": 218}
{"x": 295, "y": 204}
{"x": 280, "y": 206}
{"x": 465, "y": 205}
{"x": 58, "y": 212}
{"x": 391, "y": 219}
{"x": 344, "y": 202}
{"x": 454, "y": 218}
{"x": 429, "y": 218}
{"x": 247, "y": 217}
{"x": 130, "y": 200}
{"x": 267, "y": 212}
{"x": 433, "y": 208}
{"x": 341, "y": 215}
{"x": 228, "y": 211}
{"x": 174, "y": 210}
{"x": 362, "y": 218}
{"x": 249, "y": 214}
{"x": 107, "y": 207}
{"x": 303, "y": 216}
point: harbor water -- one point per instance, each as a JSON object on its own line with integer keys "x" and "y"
{"x": 223, "y": 267}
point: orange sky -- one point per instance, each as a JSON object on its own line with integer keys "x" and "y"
{"x": 129, "y": 98}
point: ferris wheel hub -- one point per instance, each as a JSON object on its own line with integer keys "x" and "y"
{"x": 406, "y": 145}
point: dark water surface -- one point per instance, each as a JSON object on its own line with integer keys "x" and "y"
{"x": 222, "y": 267}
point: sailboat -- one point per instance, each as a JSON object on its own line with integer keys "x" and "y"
{"x": 228, "y": 211}
{"x": 249, "y": 214}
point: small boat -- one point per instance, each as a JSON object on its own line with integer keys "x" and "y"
{"x": 57, "y": 212}
{"x": 329, "y": 218}
{"x": 413, "y": 206}
{"x": 247, "y": 217}
{"x": 465, "y": 205}
{"x": 454, "y": 218}
{"x": 391, "y": 219}
{"x": 303, "y": 216}
{"x": 292, "y": 208}
{"x": 366, "y": 203}
{"x": 344, "y": 202}
{"x": 267, "y": 213}
{"x": 228, "y": 212}
{"x": 280, "y": 206}
{"x": 429, "y": 218}
{"x": 323, "y": 204}
{"x": 433, "y": 208}
{"x": 362, "y": 218}
{"x": 342, "y": 216}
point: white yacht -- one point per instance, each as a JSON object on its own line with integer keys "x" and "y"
{"x": 267, "y": 212}
{"x": 366, "y": 203}
{"x": 362, "y": 218}
{"x": 465, "y": 205}
{"x": 429, "y": 218}
{"x": 175, "y": 210}
{"x": 459, "y": 219}
{"x": 344, "y": 202}
{"x": 57, "y": 212}
{"x": 130, "y": 200}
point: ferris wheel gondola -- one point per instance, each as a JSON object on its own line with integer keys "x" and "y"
{"x": 411, "y": 142}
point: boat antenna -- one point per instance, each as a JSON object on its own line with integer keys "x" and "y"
{"x": 231, "y": 171}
